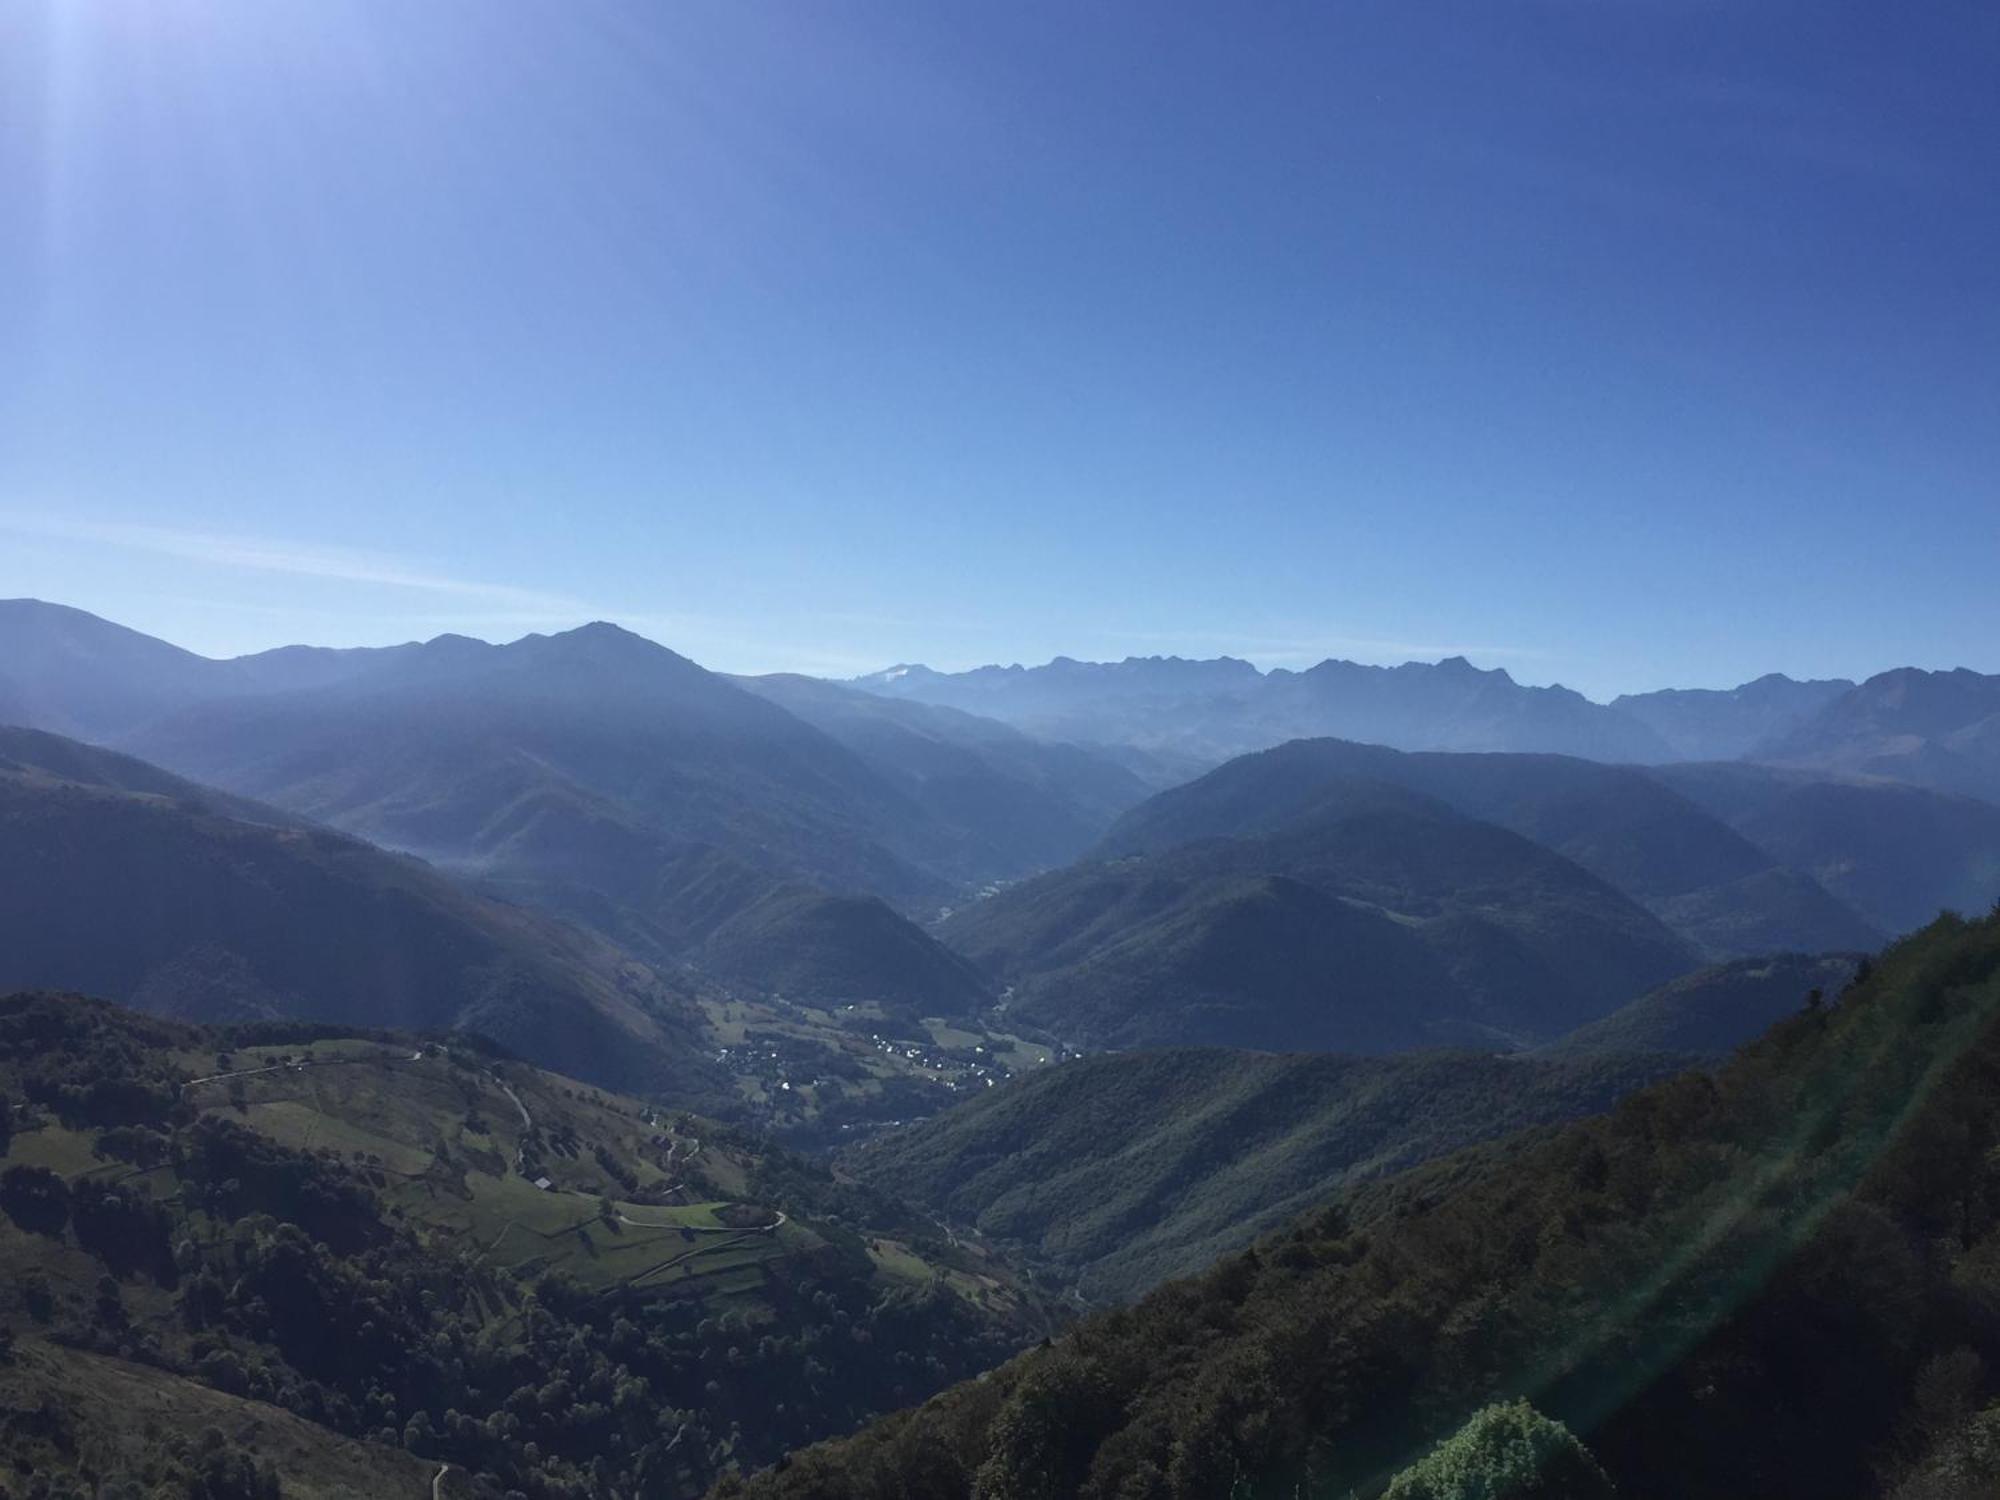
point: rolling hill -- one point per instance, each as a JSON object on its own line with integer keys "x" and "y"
{"x": 1705, "y": 880}
{"x": 1898, "y": 854}
{"x": 381, "y": 1262}
{"x": 121, "y": 878}
{"x": 1378, "y": 918}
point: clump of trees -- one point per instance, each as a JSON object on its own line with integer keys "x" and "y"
{"x": 1507, "y": 1451}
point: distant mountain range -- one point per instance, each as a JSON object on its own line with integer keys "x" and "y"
{"x": 1208, "y": 711}
{"x": 815, "y": 841}
{"x": 1725, "y": 723}
{"x": 1935, "y": 729}
{"x": 612, "y": 781}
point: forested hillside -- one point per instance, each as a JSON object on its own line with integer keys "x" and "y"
{"x": 1115, "y": 1173}
{"x": 1635, "y": 831}
{"x": 1368, "y": 921}
{"x": 1673, "y": 1282}
{"x": 353, "y": 1250}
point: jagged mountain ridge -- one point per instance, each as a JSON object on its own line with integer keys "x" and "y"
{"x": 1211, "y": 710}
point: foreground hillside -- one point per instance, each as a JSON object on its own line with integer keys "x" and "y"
{"x": 361, "y": 1249}
{"x": 120, "y": 879}
{"x": 1673, "y": 1281}
{"x": 1115, "y": 1173}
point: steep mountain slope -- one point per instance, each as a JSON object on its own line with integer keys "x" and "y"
{"x": 596, "y": 775}
{"x": 1672, "y": 1282}
{"x": 481, "y": 754}
{"x": 117, "y": 877}
{"x": 1118, "y": 1172}
{"x": 1934, "y": 729}
{"x": 363, "y": 1249}
{"x": 592, "y": 773}
{"x": 1377, "y": 918}
{"x": 1706, "y": 881}
{"x": 1897, "y": 854}
{"x": 1714, "y": 1011}
{"x": 71, "y": 672}
{"x": 1215, "y": 709}
{"x": 1189, "y": 950}
{"x": 1018, "y": 804}
{"x": 1725, "y": 723}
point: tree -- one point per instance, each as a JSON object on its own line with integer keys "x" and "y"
{"x": 1506, "y": 1452}
{"x": 35, "y": 1199}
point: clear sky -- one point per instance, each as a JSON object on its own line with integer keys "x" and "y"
{"x": 1622, "y": 343}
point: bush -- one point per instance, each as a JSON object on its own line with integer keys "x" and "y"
{"x": 1504, "y": 1452}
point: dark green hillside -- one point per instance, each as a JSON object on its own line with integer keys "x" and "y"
{"x": 1700, "y": 876}
{"x": 159, "y": 897}
{"x": 365, "y": 1256}
{"x": 1145, "y": 957}
{"x": 1714, "y": 1011}
{"x": 1118, "y": 1172}
{"x": 1780, "y": 1279}
{"x": 1898, "y": 854}
{"x": 1369, "y": 925}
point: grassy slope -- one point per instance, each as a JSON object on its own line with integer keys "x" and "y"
{"x": 703, "y": 1225}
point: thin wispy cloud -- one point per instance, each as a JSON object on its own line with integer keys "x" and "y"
{"x": 304, "y": 560}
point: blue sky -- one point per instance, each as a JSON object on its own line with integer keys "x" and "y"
{"x": 1621, "y": 343}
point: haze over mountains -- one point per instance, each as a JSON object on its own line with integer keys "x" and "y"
{"x": 1540, "y": 860}
{"x": 1211, "y": 710}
